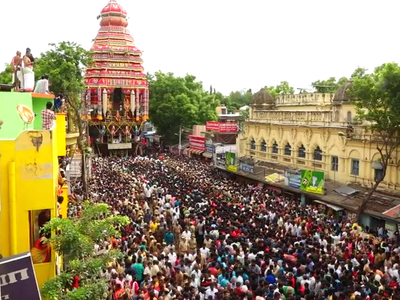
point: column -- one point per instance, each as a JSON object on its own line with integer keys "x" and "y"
{"x": 137, "y": 105}
{"x": 146, "y": 105}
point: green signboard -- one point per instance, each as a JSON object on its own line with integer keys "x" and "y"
{"x": 230, "y": 161}
{"x": 312, "y": 181}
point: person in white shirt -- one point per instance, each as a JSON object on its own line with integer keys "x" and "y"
{"x": 205, "y": 251}
{"x": 187, "y": 235}
{"x": 211, "y": 292}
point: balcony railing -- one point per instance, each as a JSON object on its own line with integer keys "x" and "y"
{"x": 222, "y": 127}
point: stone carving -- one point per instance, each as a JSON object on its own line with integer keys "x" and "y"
{"x": 325, "y": 136}
{"x": 293, "y": 134}
{"x": 257, "y": 130}
{"x": 280, "y": 133}
{"x": 308, "y": 134}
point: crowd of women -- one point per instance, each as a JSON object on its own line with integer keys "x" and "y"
{"x": 197, "y": 235}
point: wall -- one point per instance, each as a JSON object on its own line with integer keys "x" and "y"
{"x": 36, "y": 174}
{"x": 198, "y": 130}
{"x": 38, "y": 104}
{"x": 13, "y": 124}
{"x": 328, "y": 133}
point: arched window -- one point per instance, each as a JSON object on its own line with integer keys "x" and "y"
{"x": 317, "y": 153}
{"x": 275, "y": 148}
{"x": 349, "y": 117}
{"x": 264, "y": 146}
{"x": 288, "y": 149}
{"x": 302, "y": 151}
{"x": 253, "y": 144}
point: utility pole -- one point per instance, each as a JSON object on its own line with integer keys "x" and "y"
{"x": 180, "y": 140}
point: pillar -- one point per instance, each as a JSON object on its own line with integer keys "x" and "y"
{"x": 137, "y": 105}
{"x": 146, "y": 105}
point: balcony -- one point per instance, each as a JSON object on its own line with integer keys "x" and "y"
{"x": 227, "y": 127}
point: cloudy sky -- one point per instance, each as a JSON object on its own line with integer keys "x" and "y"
{"x": 230, "y": 44}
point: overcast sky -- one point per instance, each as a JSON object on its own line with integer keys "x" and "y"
{"x": 230, "y": 44}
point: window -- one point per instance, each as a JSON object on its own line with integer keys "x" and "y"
{"x": 264, "y": 146}
{"x": 302, "y": 151}
{"x": 253, "y": 145}
{"x": 355, "y": 167}
{"x": 40, "y": 252}
{"x": 334, "y": 163}
{"x": 288, "y": 149}
{"x": 317, "y": 153}
{"x": 349, "y": 117}
{"x": 275, "y": 149}
{"x": 378, "y": 174}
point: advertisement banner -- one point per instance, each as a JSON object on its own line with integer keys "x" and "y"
{"x": 197, "y": 142}
{"x": 210, "y": 148}
{"x": 18, "y": 279}
{"x": 312, "y": 181}
{"x": 246, "y": 167}
{"x": 222, "y": 126}
{"x": 230, "y": 159}
{"x": 293, "y": 178}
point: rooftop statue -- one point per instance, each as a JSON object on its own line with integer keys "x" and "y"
{"x": 27, "y": 70}
{"x": 16, "y": 64}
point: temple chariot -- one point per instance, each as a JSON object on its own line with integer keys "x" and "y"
{"x": 116, "y": 87}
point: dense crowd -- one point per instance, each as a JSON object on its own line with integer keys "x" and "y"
{"x": 197, "y": 235}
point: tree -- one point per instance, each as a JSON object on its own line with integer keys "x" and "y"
{"x": 6, "y": 75}
{"x": 64, "y": 63}
{"x": 237, "y": 99}
{"x": 331, "y": 85}
{"x": 75, "y": 241}
{"x": 179, "y": 102}
{"x": 283, "y": 88}
{"x": 377, "y": 98}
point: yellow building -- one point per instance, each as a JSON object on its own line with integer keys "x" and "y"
{"x": 28, "y": 175}
{"x": 313, "y": 131}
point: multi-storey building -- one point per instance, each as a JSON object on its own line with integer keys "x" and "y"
{"x": 319, "y": 134}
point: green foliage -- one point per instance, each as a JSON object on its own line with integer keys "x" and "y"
{"x": 377, "y": 98}
{"x": 179, "y": 101}
{"x": 283, "y": 88}
{"x": 331, "y": 85}
{"x": 237, "y": 99}
{"x": 64, "y": 63}
{"x": 75, "y": 241}
{"x": 6, "y": 75}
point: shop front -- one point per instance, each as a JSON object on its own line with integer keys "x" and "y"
{"x": 331, "y": 210}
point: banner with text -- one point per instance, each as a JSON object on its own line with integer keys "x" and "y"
{"x": 18, "y": 279}
{"x": 246, "y": 167}
{"x": 293, "y": 178}
{"x": 197, "y": 142}
{"x": 312, "y": 181}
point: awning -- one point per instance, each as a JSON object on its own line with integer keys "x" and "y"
{"x": 208, "y": 155}
{"x": 377, "y": 165}
{"x": 334, "y": 207}
{"x": 195, "y": 151}
{"x": 345, "y": 190}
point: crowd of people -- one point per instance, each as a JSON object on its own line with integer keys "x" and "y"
{"x": 196, "y": 234}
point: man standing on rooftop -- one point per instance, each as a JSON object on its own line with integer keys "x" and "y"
{"x": 48, "y": 117}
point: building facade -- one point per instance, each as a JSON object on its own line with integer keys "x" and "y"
{"x": 29, "y": 181}
{"x": 314, "y": 131}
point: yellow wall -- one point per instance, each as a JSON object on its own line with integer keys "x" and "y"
{"x": 311, "y": 120}
{"x": 36, "y": 174}
{"x": 61, "y": 134}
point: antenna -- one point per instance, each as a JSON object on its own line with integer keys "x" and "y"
{"x": 303, "y": 90}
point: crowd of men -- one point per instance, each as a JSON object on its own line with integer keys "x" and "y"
{"x": 196, "y": 234}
